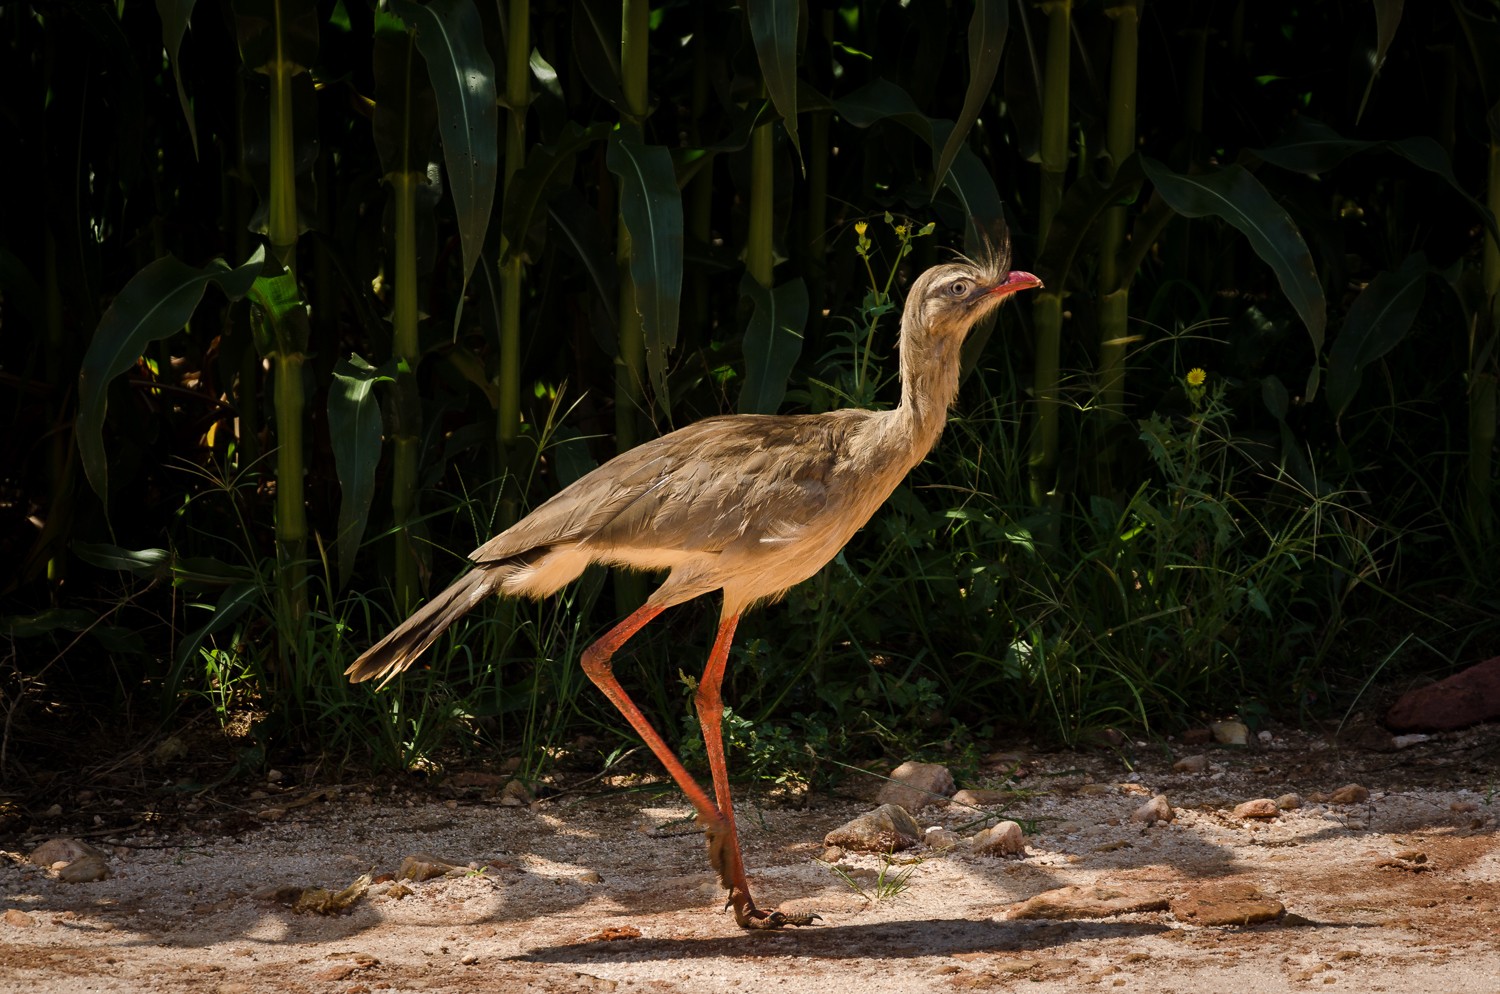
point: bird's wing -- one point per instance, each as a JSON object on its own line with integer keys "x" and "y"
{"x": 758, "y": 478}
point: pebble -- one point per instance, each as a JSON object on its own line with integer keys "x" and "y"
{"x": 889, "y": 828}
{"x": 914, "y": 785}
{"x": 1349, "y": 794}
{"x": 17, "y": 918}
{"x": 515, "y": 795}
{"x": 53, "y": 812}
{"x": 1155, "y": 810}
{"x": 1261, "y": 807}
{"x": 1407, "y": 741}
{"x": 832, "y": 854}
{"x": 84, "y": 870}
{"x": 1230, "y": 732}
{"x": 938, "y": 837}
{"x": 60, "y": 851}
{"x": 1004, "y": 839}
{"x": 469, "y": 959}
{"x": 1191, "y": 764}
{"x": 975, "y": 797}
{"x": 1265, "y": 737}
{"x": 1289, "y": 802}
{"x": 424, "y": 866}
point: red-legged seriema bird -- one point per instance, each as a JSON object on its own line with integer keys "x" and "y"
{"x": 748, "y": 505}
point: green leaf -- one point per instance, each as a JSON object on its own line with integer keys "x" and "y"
{"x": 155, "y": 563}
{"x": 354, "y": 435}
{"x": 405, "y": 108}
{"x": 278, "y": 319}
{"x": 273, "y": 33}
{"x": 987, "y": 30}
{"x": 175, "y": 15}
{"x": 156, "y": 303}
{"x": 1086, "y": 199}
{"x": 546, "y": 166}
{"x": 1236, "y": 196}
{"x": 651, "y": 207}
{"x": 232, "y": 603}
{"x": 1380, "y": 317}
{"x": 596, "y": 49}
{"x": 1312, "y": 147}
{"x": 1387, "y": 19}
{"x": 773, "y": 342}
{"x": 773, "y": 26}
{"x": 584, "y": 235}
{"x": 450, "y": 37}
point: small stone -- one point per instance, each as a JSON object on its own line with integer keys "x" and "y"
{"x": 469, "y": 959}
{"x": 1289, "y": 802}
{"x": 1349, "y": 794}
{"x": 1232, "y": 902}
{"x": 913, "y": 786}
{"x": 84, "y": 870}
{"x": 1004, "y": 839}
{"x": 1463, "y": 807}
{"x": 1407, "y": 741}
{"x": 169, "y": 749}
{"x": 271, "y": 814}
{"x": 889, "y": 828}
{"x": 1097, "y": 901}
{"x": 938, "y": 837}
{"x": 53, "y": 812}
{"x": 515, "y": 795}
{"x": 274, "y": 776}
{"x": 1261, "y": 807}
{"x": 16, "y": 918}
{"x": 60, "y": 851}
{"x": 830, "y": 855}
{"x": 976, "y": 797}
{"x": 1265, "y": 737}
{"x": 589, "y": 877}
{"x": 1197, "y": 736}
{"x": 1230, "y": 732}
{"x": 1190, "y": 764}
{"x": 424, "y": 866}
{"x": 1155, "y": 810}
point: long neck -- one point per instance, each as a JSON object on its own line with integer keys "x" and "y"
{"x": 929, "y": 384}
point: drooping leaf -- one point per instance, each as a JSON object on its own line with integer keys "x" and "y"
{"x": 175, "y": 15}
{"x": 773, "y": 342}
{"x": 232, "y": 603}
{"x": 450, "y": 37}
{"x": 546, "y": 166}
{"x": 278, "y": 319}
{"x": 157, "y": 302}
{"x": 1387, "y": 19}
{"x": 354, "y": 435}
{"x": 596, "y": 49}
{"x": 1237, "y": 197}
{"x": 987, "y": 30}
{"x": 773, "y": 26}
{"x": 1312, "y": 147}
{"x": 1380, "y": 317}
{"x": 651, "y": 207}
{"x": 405, "y": 107}
{"x": 155, "y": 563}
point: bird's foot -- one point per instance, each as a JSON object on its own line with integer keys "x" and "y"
{"x": 747, "y": 915}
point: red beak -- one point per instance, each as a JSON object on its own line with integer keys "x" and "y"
{"x": 1016, "y": 281}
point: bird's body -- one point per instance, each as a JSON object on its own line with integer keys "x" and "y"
{"x": 749, "y": 505}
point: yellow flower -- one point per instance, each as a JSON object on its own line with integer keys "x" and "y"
{"x": 1196, "y": 377}
{"x": 900, "y": 231}
{"x": 860, "y": 227}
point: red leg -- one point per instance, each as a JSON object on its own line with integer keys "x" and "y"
{"x": 723, "y": 846}
{"x": 727, "y": 860}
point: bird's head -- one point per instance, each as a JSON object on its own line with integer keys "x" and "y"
{"x": 948, "y": 300}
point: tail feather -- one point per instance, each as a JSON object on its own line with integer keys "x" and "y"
{"x": 410, "y": 639}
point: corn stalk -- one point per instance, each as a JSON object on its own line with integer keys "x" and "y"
{"x": 508, "y": 376}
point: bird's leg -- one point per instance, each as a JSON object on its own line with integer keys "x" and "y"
{"x": 724, "y": 850}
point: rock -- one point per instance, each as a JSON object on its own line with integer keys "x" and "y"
{"x": 938, "y": 837}
{"x": 1463, "y": 807}
{"x": 55, "y": 851}
{"x": 469, "y": 959}
{"x": 1155, "y": 810}
{"x": 1232, "y": 902}
{"x": 53, "y": 812}
{"x": 975, "y": 797}
{"x": 1461, "y": 700}
{"x": 16, "y": 918}
{"x": 169, "y": 749}
{"x": 1197, "y": 736}
{"x": 889, "y": 828}
{"x": 515, "y": 795}
{"x": 917, "y": 785}
{"x": 1190, "y": 764}
{"x": 1230, "y": 732}
{"x": 1004, "y": 839}
{"x": 1265, "y": 737}
{"x": 424, "y": 866}
{"x": 84, "y": 870}
{"x": 830, "y": 855}
{"x": 1407, "y": 741}
{"x": 1098, "y": 901}
{"x": 1261, "y": 807}
{"x": 1349, "y": 794}
{"x": 1289, "y": 802}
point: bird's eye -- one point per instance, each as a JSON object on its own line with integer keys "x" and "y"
{"x": 959, "y": 288}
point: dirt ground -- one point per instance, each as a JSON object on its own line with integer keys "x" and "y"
{"x": 1397, "y": 893}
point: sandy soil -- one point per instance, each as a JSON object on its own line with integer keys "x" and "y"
{"x": 188, "y": 905}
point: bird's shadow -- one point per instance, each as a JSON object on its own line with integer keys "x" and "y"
{"x": 883, "y": 940}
